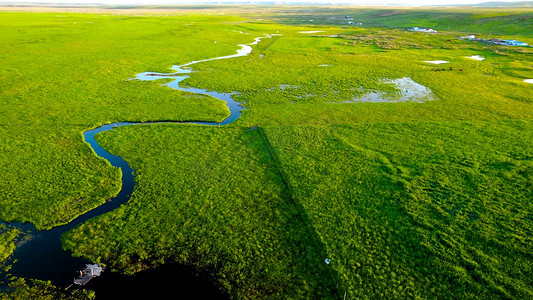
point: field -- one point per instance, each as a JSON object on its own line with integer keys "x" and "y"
{"x": 310, "y": 193}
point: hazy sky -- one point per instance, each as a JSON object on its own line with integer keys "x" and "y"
{"x": 355, "y": 2}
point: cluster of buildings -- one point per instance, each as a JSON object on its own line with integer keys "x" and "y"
{"x": 348, "y": 18}
{"x": 474, "y": 38}
{"x": 496, "y": 41}
{"x": 507, "y": 42}
{"x": 418, "y": 29}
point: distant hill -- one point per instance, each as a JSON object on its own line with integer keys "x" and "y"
{"x": 504, "y": 4}
{"x": 72, "y": 3}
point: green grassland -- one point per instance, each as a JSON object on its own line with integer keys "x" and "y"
{"x": 317, "y": 68}
{"x": 408, "y": 200}
{"x": 404, "y": 210}
{"x": 499, "y": 21}
{"x": 418, "y": 209}
{"x": 65, "y": 73}
{"x": 211, "y": 198}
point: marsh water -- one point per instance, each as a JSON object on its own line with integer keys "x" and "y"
{"x": 42, "y": 256}
{"x": 408, "y": 91}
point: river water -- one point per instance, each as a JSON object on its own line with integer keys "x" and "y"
{"x": 42, "y": 257}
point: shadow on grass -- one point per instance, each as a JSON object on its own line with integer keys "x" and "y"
{"x": 300, "y": 237}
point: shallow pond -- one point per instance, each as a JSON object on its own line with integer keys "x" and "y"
{"x": 408, "y": 91}
{"x": 476, "y": 57}
{"x": 436, "y": 62}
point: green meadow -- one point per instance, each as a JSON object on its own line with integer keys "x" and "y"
{"x": 306, "y": 195}
{"x": 65, "y": 73}
{"x": 484, "y": 21}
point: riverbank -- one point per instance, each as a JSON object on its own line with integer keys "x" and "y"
{"x": 43, "y": 257}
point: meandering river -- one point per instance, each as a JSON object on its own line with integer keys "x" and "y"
{"x": 42, "y": 257}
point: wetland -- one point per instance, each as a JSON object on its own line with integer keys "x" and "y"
{"x": 346, "y": 166}
{"x": 42, "y": 256}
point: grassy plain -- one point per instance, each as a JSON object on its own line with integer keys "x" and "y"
{"x": 418, "y": 209}
{"x": 211, "y": 198}
{"x": 482, "y": 21}
{"x": 66, "y": 73}
{"x": 406, "y": 199}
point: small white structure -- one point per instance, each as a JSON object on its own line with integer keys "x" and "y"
{"x": 88, "y": 273}
{"x": 350, "y": 23}
{"x": 470, "y": 37}
{"x": 427, "y": 30}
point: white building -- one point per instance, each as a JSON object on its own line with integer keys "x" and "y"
{"x": 417, "y": 29}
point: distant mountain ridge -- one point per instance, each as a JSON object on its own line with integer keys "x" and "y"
{"x": 136, "y": 3}
{"x": 504, "y": 4}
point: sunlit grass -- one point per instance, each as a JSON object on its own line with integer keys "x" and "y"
{"x": 406, "y": 199}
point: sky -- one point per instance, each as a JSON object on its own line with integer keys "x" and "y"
{"x": 354, "y": 2}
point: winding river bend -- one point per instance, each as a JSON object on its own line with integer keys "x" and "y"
{"x": 43, "y": 258}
